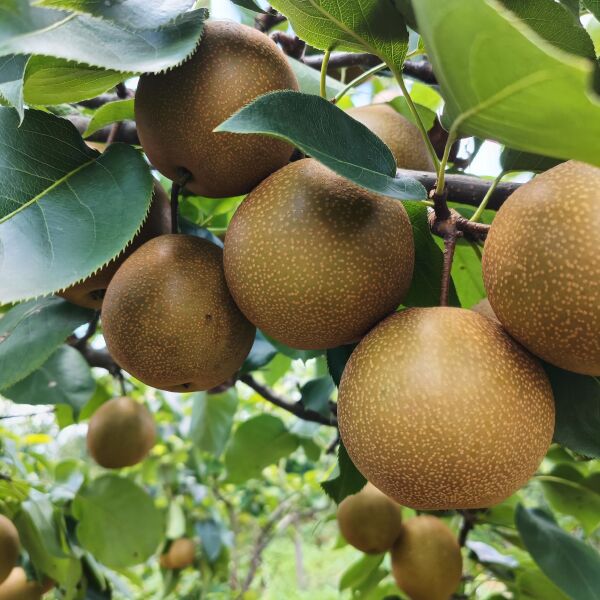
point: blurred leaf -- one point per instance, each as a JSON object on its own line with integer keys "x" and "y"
{"x": 118, "y": 522}
{"x": 336, "y": 361}
{"x": 257, "y": 443}
{"x": 577, "y": 400}
{"x": 65, "y": 378}
{"x": 209, "y": 532}
{"x": 572, "y": 565}
{"x": 532, "y": 584}
{"x": 32, "y": 331}
{"x": 315, "y": 395}
{"x": 358, "y": 572}
{"x": 309, "y": 79}
{"x": 261, "y": 353}
{"x": 515, "y": 160}
{"x": 426, "y": 114}
{"x": 311, "y": 449}
{"x": 175, "y": 521}
{"x": 51, "y": 80}
{"x": 593, "y": 6}
{"x": 212, "y": 418}
{"x": 538, "y": 99}
{"x": 12, "y": 70}
{"x": 72, "y": 213}
{"x": 249, "y": 4}
{"x": 120, "y": 110}
{"x": 328, "y": 134}
{"x": 135, "y": 14}
{"x": 28, "y": 29}
{"x": 364, "y": 26}
{"x": 346, "y": 480}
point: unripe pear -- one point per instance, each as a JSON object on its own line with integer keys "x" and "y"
{"x": 541, "y": 269}
{"x": 169, "y": 319}
{"x": 440, "y": 409}
{"x": 401, "y": 136}
{"x": 426, "y": 559}
{"x": 314, "y": 260}
{"x": 182, "y": 553}
{"x": 369, "y": 520}
{"x": 177, "y": 111}
{"x": 9, "y": 547}
{"x": 121, "y": 433}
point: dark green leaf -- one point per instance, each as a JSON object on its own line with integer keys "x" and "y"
{"x": 190, "y": 228}
{"x": 336, "y": 361}
{"x": 515, "y": 160}
{"x": 65, "y": 210}
{"x": 532, "y": 584}
{"x": 571, "y": 564}
{"x": 249, "y": 4}
{"x": 119, "y": 110}
{"x": 135, "y": 14}
{"x": 118, "y": 522}
{"x": 12, "y": 70}
{"x": 555, "y": 23}
{"x": 346, "y": 480}
{"x": 293, "y": 353}
{"x": 212, "y": 417}
{"x": 65, "y": 378}
{"x": 328, "y": 134}
{"x": 358, "y": 572}
{"x": 261, "y": 353}
{"x": 209, "y": 532}
{"x": 538, "y": 99}
{"x": 366, "y": 25}
{"x": 256, "y": 444}
{"x": 593, "y": 6}
{"x": 577, "y": 400}
{"x": 98, "y": 42}
{"x": 407, "y": 10}
{"x": 31, "y": 332}
{"x": 316, "y": 394}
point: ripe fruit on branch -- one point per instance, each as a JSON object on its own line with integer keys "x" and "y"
{"x": 426, "y": 559}
{"x": 181, "y": 554}
{"x": 314, "y": 260}
{"x": 541, "y": 268}
{"x": 441, "y": 409}
{"x": 177, "y": 111}
{"x": 121, "y": 433}
{"x": 91, "y": 291}
{"x": 9, "y": 547}
{"x": 169, "y": 319}
{"x": 16, "y": 587}
{"x": 400, "y": 135}
{"x": 369, "y": 520}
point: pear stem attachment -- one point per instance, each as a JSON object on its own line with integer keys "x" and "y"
{"x": 183, "y": 176}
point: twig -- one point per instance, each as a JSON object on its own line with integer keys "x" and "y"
{"x": 28, "y": 415}
{"x": 449, "y": 247}
{"x": 295, "y": 408}
{"x": 266, "y": 21}
{"x": 89, "y": 333}
{"x": 292, "y": 45}
{"x": 468, "y": 524}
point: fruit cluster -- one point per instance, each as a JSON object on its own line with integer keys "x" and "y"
{"x": 440, "y": 408}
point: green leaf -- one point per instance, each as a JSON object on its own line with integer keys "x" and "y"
{"x": 593, "y": 6}
{"x": 12, "y": 69}
{"x": 373, "y": 26}
{"x": 328, "y": 134}
{"x": 31, "y": 332}
{"x": 51, "y": 80}
{"x": 293, "y": 353}
{"x": 118, "y": 522}
{"x": 555, "y": 23}
{"x": 315, "y": 395}
{"x": 65, "y": 378}
{"x": 577, "y": 400}
{"x": 515, "y": 160}
{"x": 42, "y": 531}
{"x": 532, "y": 584}
{"x": 309, "y": 79}
{"x": 426, "y": 285}
{"x": 249, "y": 4}
{"x": 65, "y": 210}
{"x": 358, "y": 572}
{"x": 261, "y": 353}
{"x": 210, "y": 534}
{"x": 120, "y": 110}
{"x": 426, "y": 114}
{"x": 536, "y": 99}
{"x": 212, "y": 417}
{"x": 98, "y": 42}
{"x": 135, "y": 14}
{"x": 571, "y": 564}
{"x": 573, "y": 498}
{"x": 346, "y": 480}
{"x": 336, "y": 361}
{"x": 257, "y": 443}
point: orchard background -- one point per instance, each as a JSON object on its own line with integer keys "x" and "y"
{"x": 252, "y": 470}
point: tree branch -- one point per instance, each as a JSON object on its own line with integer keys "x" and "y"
{"x": 296, "y": 408}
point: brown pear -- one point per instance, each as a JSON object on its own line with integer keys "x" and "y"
{"x": 315, "y": 261}
{"x": 16, "y": 587}
{"x": 121, "y": 433}
{"x": 177, "y": 111}
{"x": 169, "y": 319}
{"x": 9, "y": 547}
{"x": 369, "y": 520}
{"x": 541, "y": 269}
{"x": 441, "y": 409}
{"x": 401, "y": 136}
{"x": 426, "y": 559}
{"x": 182, "y": 554}
{"x": 90, "y": 292}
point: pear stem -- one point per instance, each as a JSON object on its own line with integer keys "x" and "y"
{"x": 323, "y": 82}
{"x": 183, "y": 176}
